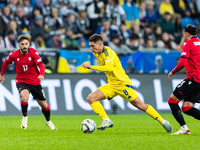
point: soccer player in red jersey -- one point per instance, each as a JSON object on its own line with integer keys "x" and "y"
{"x": 28, "y": 78}
{"x": 189, "y": 88}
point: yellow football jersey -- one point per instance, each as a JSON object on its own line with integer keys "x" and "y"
{"x": 111, "y": 66}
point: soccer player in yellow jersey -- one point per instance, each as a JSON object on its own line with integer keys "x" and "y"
{"x": 118, "y": 84}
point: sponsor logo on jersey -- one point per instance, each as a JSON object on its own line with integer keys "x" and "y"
{"x": 29, "y": 58}
{"x": 183, "y": 53}
{"x": 39, "y": 60}
{"x": 17, "y": 59}
{"x": 36, "y": 53}
{"x": 196, "y": 43}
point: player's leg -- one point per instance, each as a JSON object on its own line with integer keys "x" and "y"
{"x": 46, "y": 111}
{"x": 183, "y": 90}
{"x": 24, "y": 94}
{"x": 94, "y": 98}
{"x": 128, "y": 93}
{"x": 151, "y": 112}
{"x": 39, "y": 95}
{"x": 177, "y": 113}
{"x": 188, "y": 109}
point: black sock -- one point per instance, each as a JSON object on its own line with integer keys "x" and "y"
{"x": 176, "y": 112}
{"x": 24, "y": 106}
{"x": 193, "y": 112}
{"x": 46, "y": 112}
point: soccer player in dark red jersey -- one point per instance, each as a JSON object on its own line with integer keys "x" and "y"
{"x": 28, "y": 78}
{"x": 189, "y": 88}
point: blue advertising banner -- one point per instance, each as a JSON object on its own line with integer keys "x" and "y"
{"x": 159, "y": 62}
{"x": 71, "y": 61}
{"x": 138, "y": 62}
{"x": 132, "y": 63}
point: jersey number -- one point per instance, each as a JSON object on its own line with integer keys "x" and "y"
{"x": 25, "y": 67}
{"x": 125, "y": 92}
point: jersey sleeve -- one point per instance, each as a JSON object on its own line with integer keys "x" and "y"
{"x": 10, "y": 58}
{"x": 184, "y": 57}
{"x": 7, "y": 61}
{"x": 36, "y": 58}
{"x": 108, "y": 67}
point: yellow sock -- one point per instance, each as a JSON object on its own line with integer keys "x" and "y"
{"x": 154, "y": 114}
{"x": 98, "y": 109}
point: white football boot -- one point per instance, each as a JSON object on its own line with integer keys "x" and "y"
{"x": 181, "y": 131}
{"x": 50, "y": 125}
{"x": 24, "y": 122}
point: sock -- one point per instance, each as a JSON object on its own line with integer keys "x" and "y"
{"x": 46, "y": 112}
{"x": 191, "y": 111}
{"x": 98, "y": 109}
{"x": 154, "y": 114}
{"x": 176, "y": 111}
{"x": 106, "y": 119}
{"x": 24, "y": 106}
{"x": 184, "y": 127}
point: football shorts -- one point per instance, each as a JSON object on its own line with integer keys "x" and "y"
{"x": 127, "y": 92}
{"x": 188, "y": 90}
{"x": 35, "y": 90}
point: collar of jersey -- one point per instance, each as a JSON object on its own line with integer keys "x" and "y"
{"x": 103, "y": 49}
{"x": 194, "y": 37}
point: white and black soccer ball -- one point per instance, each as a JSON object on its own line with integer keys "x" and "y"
{"x": 88, "y": 126}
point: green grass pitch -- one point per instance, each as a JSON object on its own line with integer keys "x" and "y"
{"x": 130, "y": 132}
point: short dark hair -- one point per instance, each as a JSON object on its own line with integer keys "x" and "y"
{"x": 191, "y": 29}
{"x": 23, "y": 37}
{"x": 95, "y": 37}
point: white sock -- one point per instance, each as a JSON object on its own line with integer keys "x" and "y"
{"x": 184, "y": 127}
{"x": 107, "y": 119}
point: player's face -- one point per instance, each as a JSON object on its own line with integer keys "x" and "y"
{"x": 96, "y": 47}
{"x": 24, "y": 45}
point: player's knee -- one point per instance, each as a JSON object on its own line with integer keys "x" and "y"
{"x": 90, "y": 99}
{"x": 185, "y": 109}
{"x": 25, "y": 99}
{"x": 171, "y": 100}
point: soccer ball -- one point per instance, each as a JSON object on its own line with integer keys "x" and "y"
{"x": 88, "y": 126}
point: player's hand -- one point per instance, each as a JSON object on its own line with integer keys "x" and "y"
{"x": 169, "y": 75}
{"x": 41, "y": 77}
{"x": 2, "y": 79}
{"x": 87, "y": 66}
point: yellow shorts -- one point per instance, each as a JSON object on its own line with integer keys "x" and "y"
{"x": 127, "y": 92}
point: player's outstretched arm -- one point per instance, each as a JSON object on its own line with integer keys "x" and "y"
{"x": 2, "y": 79}
{"x": 87, "y": 66}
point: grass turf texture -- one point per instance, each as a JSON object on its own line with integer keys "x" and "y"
{"x": 135, "y": 131}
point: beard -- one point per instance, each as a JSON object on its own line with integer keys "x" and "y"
{"x": 23, "y": 50}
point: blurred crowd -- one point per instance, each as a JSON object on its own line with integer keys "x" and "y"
{"x": 125, "y": 25}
